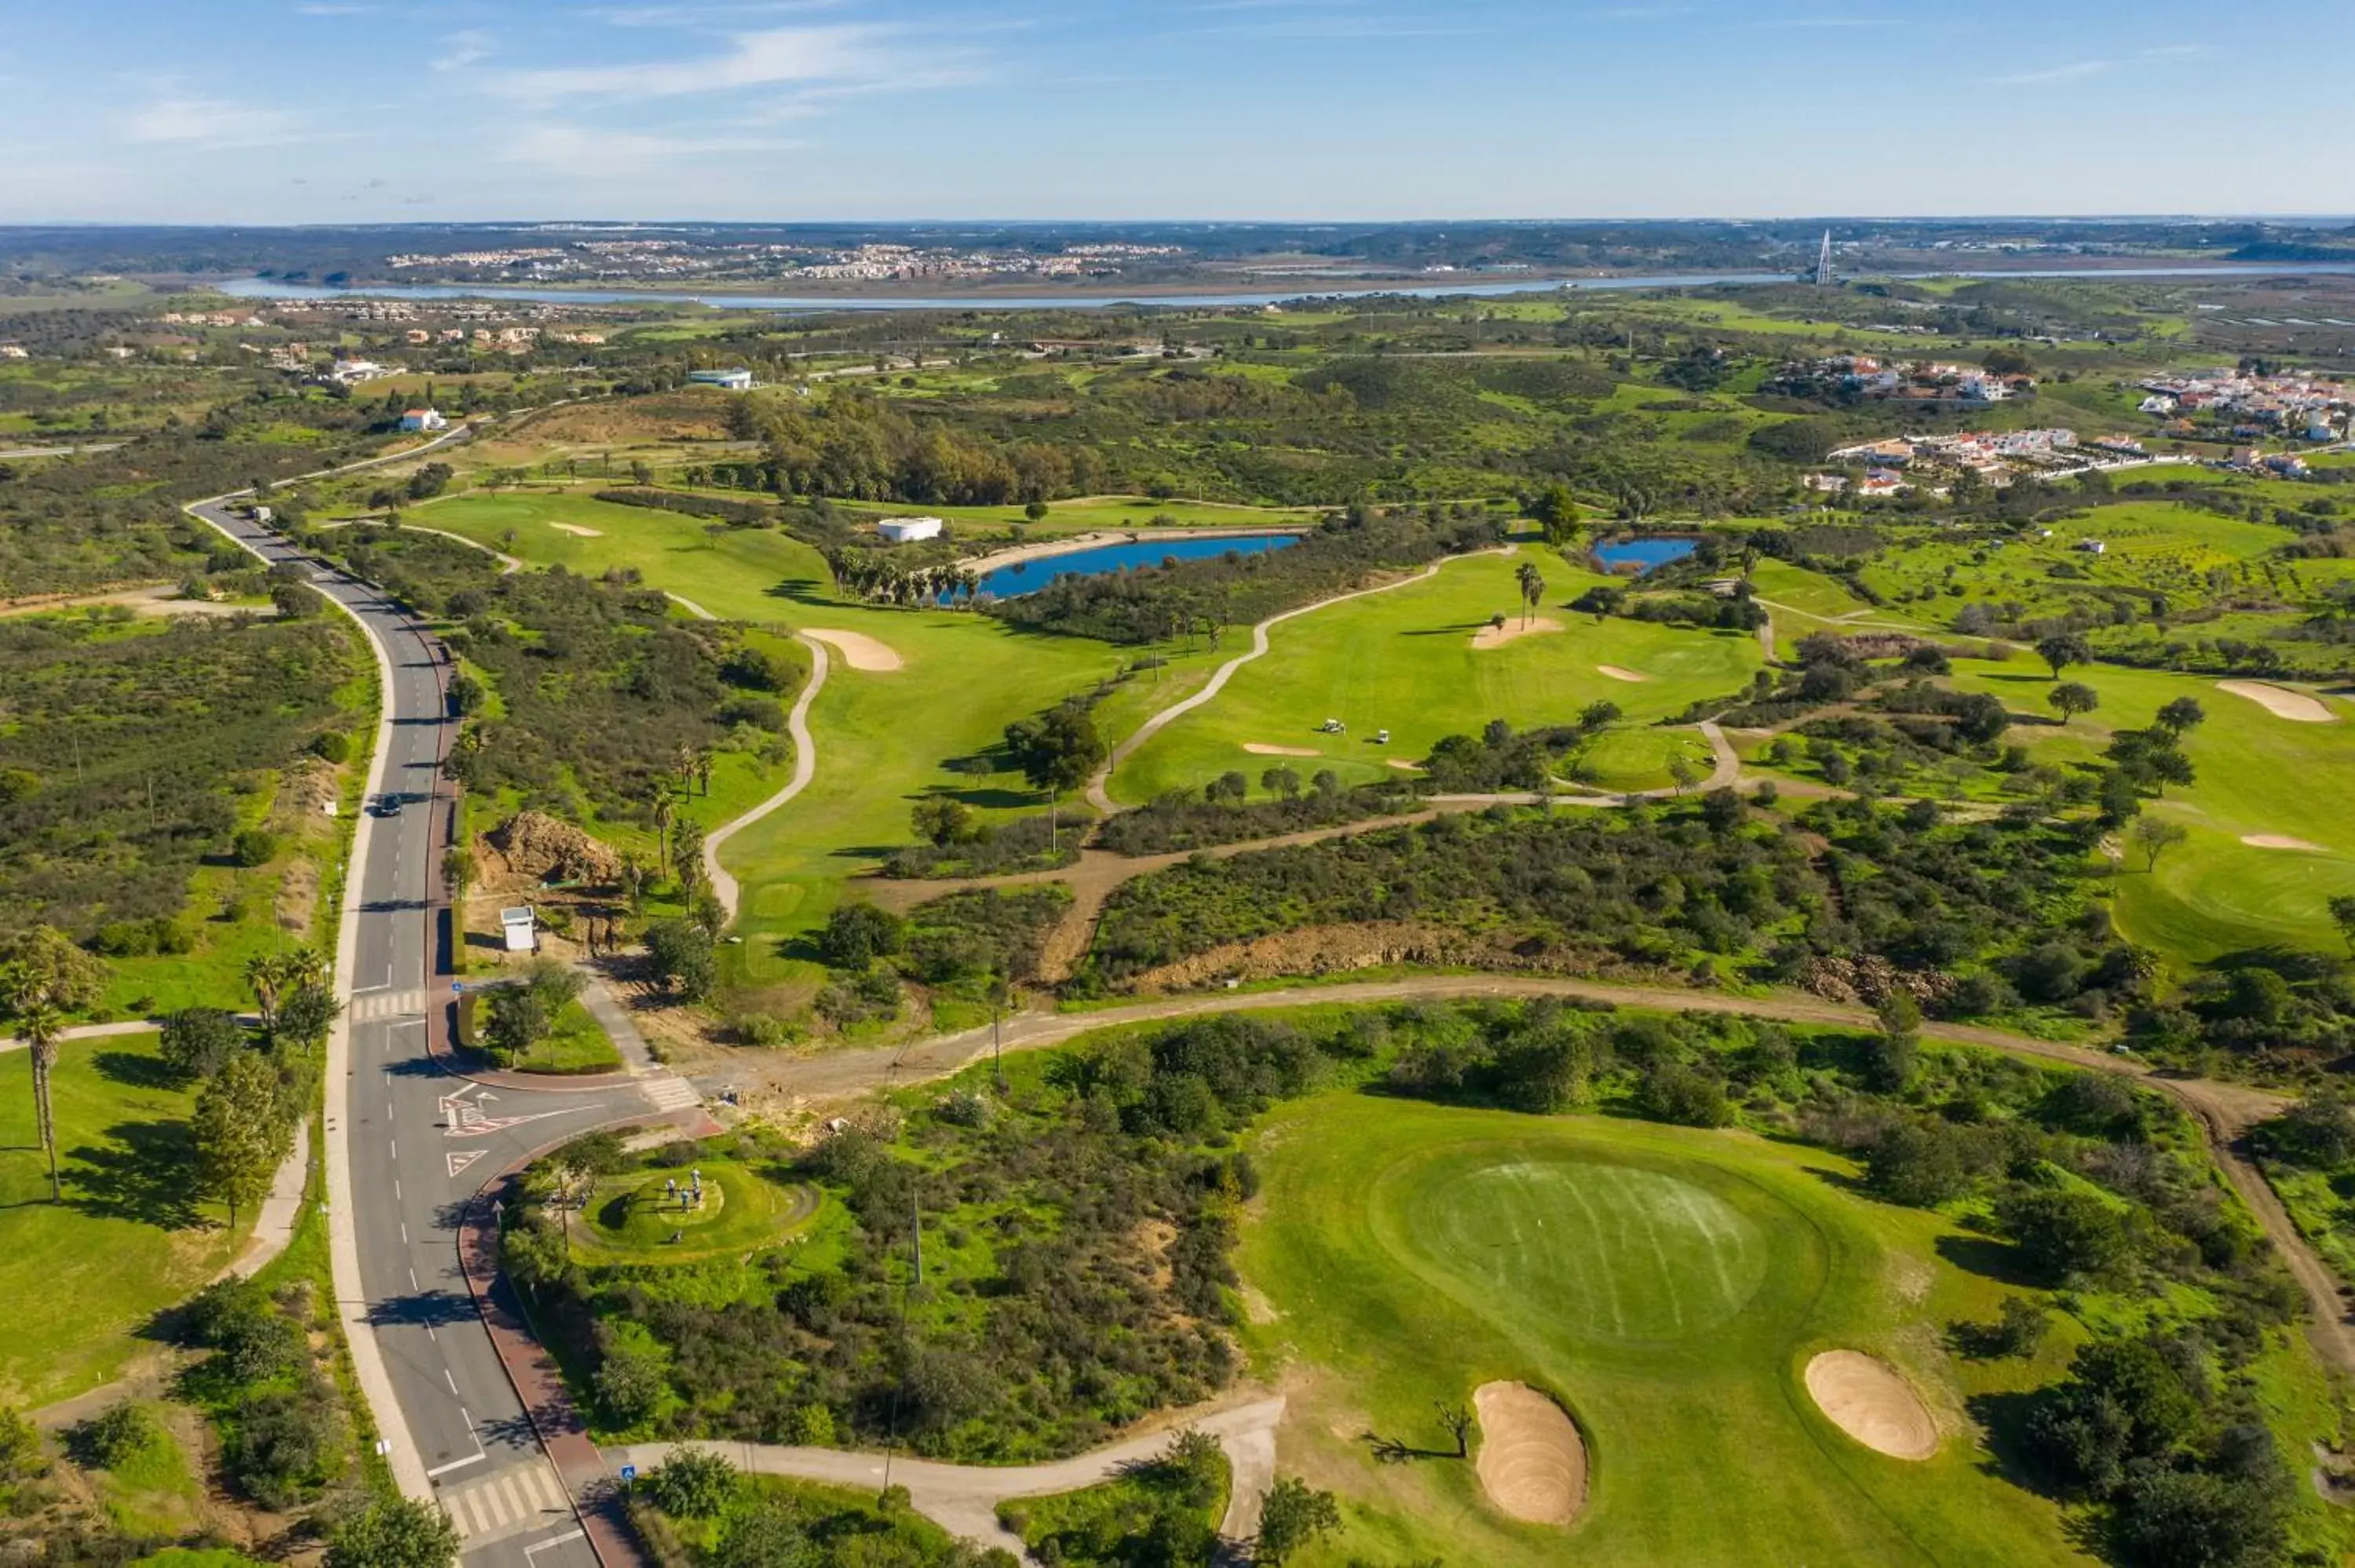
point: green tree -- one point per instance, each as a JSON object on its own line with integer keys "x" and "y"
{"x": 2071, "y": 698}
{"x": 856, "y": 935}
{"x": 941, "y": 819}
{"x": 2181, "y": 716}
{"x": 2342, "y": 915}
{"x": 2063, "y": 650}
{"x": 1296, "y": 1515}
{"x": 241, "y": 1133}
{"x": 682, "y": 954}
{"x": 394, "y": 1532}
{"x": 1557, "y": 511}
{"x": 2154, "y": 836}
{"x": 198, "y": 1041}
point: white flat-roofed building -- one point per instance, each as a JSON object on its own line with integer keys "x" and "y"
{"x": 732, "y": 380}
{"x": 908, "y": 530}
{"x": 423, "y": 419}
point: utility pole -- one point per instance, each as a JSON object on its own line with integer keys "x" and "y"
{"x": 916, "y": 1230}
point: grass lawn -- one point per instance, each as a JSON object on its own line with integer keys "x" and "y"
{"x": 631, "y": 1217}
{"x": 1670, "y": 1286}
{"x": 1404, "y": 660}
{"x": 2258, "y": 775}
{"x": 83, "y": 1276}
{"x": 575, "y": 1045}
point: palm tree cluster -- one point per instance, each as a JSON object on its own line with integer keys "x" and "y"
{"x": 274, "y": 977}
{"x": 43, "y": 977}
{"x": 872, "y": 574}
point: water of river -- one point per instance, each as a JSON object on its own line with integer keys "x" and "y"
{"x": 271, "y": 288}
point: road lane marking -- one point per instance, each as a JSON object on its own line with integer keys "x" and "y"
{"x": 473, "y": 1458}
{"x": 576, "y": 1534}
{"x": 451, "y": 1381}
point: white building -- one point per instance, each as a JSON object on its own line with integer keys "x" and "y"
{"x": 519, "y": 929}
{"x": 908, "y": 530}
{"x": 423, "y": 419}
{"x": 733, "y": 380}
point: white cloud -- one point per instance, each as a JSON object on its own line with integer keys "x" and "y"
{"x": 207, "y": 122}
{"x": 775, "y": 57}
{"x": 463, "y": 48}
{"x": 2056, "y": 76}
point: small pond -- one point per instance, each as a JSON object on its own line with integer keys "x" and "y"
{"x": 1019, "y": 577}
{"x": 1643, "y": 555}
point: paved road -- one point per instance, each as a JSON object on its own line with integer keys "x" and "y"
{"x": 408, "y": 1144}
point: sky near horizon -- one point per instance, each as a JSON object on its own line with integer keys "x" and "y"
{"x": 370, "y": 111}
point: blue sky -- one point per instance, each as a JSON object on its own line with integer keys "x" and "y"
{"x": 344, "y": 111}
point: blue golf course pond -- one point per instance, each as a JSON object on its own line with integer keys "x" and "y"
{"x": 1643, "y": 555}
{"x": 1018, "y": 577}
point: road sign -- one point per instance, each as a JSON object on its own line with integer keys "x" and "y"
{"x": 629, "y": 1473}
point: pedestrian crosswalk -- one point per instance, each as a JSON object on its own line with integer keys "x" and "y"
{"x": 371, "y": 1006}
{"x": 519, "y": 1498}
{"x": 669, "y": 1092}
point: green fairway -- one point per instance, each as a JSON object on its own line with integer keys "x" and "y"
{"x": 1670, "y": 1286}
{"x": 631, "y": 1218}
{"x": 2259, "y": 776}
{"x": 83, "y": 1276}
{"x": 1404, "y": 660}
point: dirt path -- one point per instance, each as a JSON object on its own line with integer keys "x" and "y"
{"x": 2224, "y": 1111}
{"x": 1099, "y": 797}
{"x": 724, "y": 887}
{"x": 964, "y": 1499}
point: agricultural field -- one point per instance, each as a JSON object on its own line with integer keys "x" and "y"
{"x": 1670, "y": 1287}
{"x": 1420, "y": 661}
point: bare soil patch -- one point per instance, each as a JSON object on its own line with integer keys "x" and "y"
{"x": 579, "y": 530}
{"x": 1498, "y": 636}
{"x": 859, "y": 650}
{"x": 2281, "y": 842}
{"x": 1262, "y": 748}
{"x": 1531, "y": 1463}
{"x": 1616, "y": 674}
{"x": 2299, "y": 708}
{"x": 1869, "y": 1399}
{"x": 662, "y": 416}
{"x": 1403, "y": 766}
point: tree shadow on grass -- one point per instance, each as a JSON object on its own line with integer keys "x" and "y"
{"x": 1989, "y": 1258}
{"x": 135, "y": 1070}
{"x": 142, "y": 1173}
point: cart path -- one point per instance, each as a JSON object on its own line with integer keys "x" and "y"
{"x": 964, "y": 1499}
{"x": 723, "y": 885}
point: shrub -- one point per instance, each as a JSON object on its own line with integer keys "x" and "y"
{"x": 252, "y": 847}
{"x": 691, "y": 1483}
{"x": 119, "y": 1433}
{"x": 280, "y": 1445}
{"x": 394, "y": 1532}
{"x": 331, "y": 745}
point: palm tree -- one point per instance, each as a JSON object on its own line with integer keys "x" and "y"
{"x": 666, "y": 812}
{"x": 1533, "y": 588}
{"x": 40, "y": 1025}
{"x": 262, "y": 972}
{"x": 705, "y": 760}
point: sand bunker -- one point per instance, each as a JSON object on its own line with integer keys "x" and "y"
{"x": 2276, "y": 841}
{"x": 1262, "y": 748}
{"x": 1868, "y": 1399}
{"x": 859, "y": 650}
{"x": 1531, "y": 1463}
{"x": 2281, "y": 701}
{"x": 1616, "y": 674}
{"x": 577, "y": 530}
{"x": 1498, "y": 636}
{"x": 1403, "y": 766}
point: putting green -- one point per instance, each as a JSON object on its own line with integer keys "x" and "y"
{"x": 1668, "y": 1287}
{"x": 631, "y": 1218}
{"x": 1612, "y": 1249}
